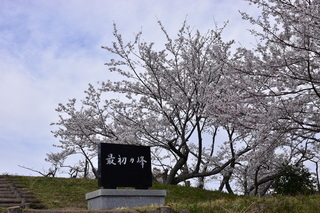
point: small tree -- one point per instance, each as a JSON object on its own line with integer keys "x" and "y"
{"x": 294, "y": 181}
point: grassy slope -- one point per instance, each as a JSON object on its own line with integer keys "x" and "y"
{"x": 65, "y": 193}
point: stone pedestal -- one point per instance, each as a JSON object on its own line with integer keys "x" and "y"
{"x": 117, "y": 198}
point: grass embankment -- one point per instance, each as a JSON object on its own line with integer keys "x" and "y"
{"x": 65, "y": 193}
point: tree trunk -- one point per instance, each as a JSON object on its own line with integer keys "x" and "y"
{"x": 172, "y": 174}
{"x": 85, "y": 169}
{"x": 317, "y": 172}
{"x": 225, "y": 182}
{"x": 201, "y": 182}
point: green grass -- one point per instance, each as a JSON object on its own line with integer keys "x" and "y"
{"x": 65, "y": 193}
{"x": 59, "y": 193}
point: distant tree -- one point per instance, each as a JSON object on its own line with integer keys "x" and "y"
{"x": 258, "y": 170}
{"x": 294, "y": 180}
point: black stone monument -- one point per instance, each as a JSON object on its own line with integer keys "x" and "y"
{"x": 124, "y": 166}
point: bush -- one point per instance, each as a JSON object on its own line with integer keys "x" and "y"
{"x": 295, "y": 180}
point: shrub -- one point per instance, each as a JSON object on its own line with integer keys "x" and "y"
{"x": 295, "y": 180}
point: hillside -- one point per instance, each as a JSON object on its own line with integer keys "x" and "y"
{"x": 65, "y": 193}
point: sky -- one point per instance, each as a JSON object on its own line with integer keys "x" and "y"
{"x": 51, "y": 50}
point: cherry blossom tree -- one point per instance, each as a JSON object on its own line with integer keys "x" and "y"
{"x": 166, "y": 98}
{"x": 163, "y": 99}
{"x": 288, "y": 61}
{"x": 80, "y": 130}
{"x": 284, "y": 79}
{"x": 179, "y": 96}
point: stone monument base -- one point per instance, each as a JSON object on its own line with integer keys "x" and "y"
{"x": 117, "y": 198}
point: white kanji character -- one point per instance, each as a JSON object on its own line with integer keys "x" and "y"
{"x": 122, "y": 160}
{"x": 141, "y": 160}
{"x": 110, "y": 159}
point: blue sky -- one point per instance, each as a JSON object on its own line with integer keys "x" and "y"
{"x": 50, "y": 50}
